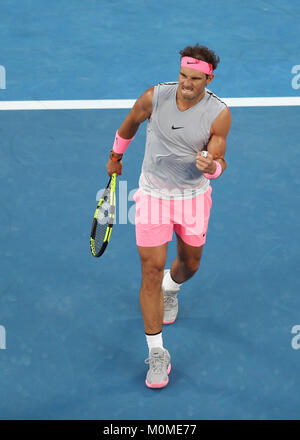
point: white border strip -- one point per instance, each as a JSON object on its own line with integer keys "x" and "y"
{"x": 128, "y": 103}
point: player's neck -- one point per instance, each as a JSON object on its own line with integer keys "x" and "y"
{"x": 184, "y": 104}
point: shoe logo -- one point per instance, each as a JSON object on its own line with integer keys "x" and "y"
{"x": 176, "y": 128}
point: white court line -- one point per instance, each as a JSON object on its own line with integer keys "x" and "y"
{"x": 67, "y": 105}
{"x": 128, "y": 103}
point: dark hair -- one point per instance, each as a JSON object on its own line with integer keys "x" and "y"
{"x": 201, "y": 53}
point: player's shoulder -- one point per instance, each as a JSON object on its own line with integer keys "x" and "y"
{"x": 214, "y": 99}
{"x": 166, "y": 86}
{"x": 165, "y": 90}
{"x": 218, "y": 111}
{"x": 144, "y": 101}
{"x": 148, "y": 94}
{"x": 156, "y": 92}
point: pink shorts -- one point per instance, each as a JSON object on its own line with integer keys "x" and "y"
{"x": 155, "y": 219}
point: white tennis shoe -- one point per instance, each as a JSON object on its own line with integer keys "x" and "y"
{"x": 159, "y": 368}
{"x": 170, "y": 304}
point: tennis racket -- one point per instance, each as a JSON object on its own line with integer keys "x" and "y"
{"x": 104, "y": 218}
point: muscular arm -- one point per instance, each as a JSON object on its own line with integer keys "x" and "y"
{"x": 217, "y": 144}
{"x": 141, "y": 111}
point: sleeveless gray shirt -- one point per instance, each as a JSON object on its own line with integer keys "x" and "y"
{"x": 173, "y": 139}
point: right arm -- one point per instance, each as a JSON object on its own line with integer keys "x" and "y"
{"x": 141, "y": 111}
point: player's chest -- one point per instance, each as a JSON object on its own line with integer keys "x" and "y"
{"x": 188, "y": 128}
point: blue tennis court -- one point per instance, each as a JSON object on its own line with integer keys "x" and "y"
{"x": 72, "y": 340}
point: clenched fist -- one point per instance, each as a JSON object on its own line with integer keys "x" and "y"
{"x": 205, "y": 164}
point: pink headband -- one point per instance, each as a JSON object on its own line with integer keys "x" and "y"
{"x": 193, "y": 63}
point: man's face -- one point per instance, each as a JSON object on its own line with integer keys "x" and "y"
{"x": 192, "y": 83}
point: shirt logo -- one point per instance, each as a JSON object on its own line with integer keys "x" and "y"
{"x": 176, "y": 128}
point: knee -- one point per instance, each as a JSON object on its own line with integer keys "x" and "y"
{"x": 152, "y": 271}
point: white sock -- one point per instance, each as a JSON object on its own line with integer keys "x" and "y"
{"x": 154, "y": 341}
{"x": 169, "y": 284}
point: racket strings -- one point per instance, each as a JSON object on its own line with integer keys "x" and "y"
{"x": 99, "y": 236}
{"x": 104, "y": 218}
{"x": 102, "y": 221}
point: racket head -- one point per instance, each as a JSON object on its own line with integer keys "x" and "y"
{"x": 103, "y": 219}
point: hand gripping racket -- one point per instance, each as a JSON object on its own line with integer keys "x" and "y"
{"x": 104, "y": 218}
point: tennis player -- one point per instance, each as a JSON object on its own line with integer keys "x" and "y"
{"x": 185, "y": 149}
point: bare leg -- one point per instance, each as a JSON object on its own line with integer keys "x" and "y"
{"x": 187, "y": 261}
{"x": 153, "y": 261}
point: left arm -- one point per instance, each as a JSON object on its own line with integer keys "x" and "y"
{"x": 217, "y": 144}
